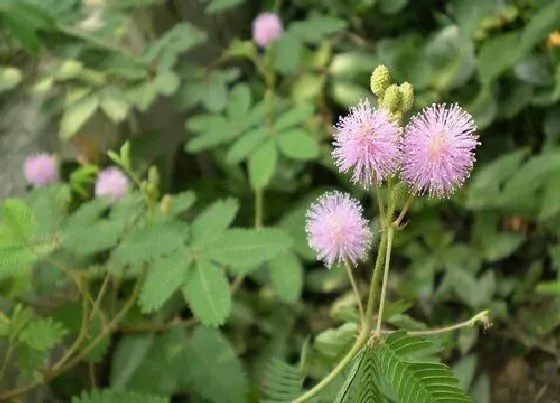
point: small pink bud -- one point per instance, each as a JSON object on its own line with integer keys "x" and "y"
{"x": 267, "y": 28}
{"x": 111, "y": 182}
{"x": 40, "y": 170}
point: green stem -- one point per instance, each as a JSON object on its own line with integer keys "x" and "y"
{"x": 390, "y": 235}
{"x": 7, "y": 359}
{"x": 404, "y": 210}
{"x": 360, "y": 342}
{"x": 259, "y": 207}
{"x": 81, "y": 336}
{"x": 100, "y": 295}
{"x": 375, "y": 280}
{"x": 356, "y": 291}
{"x": 380, "y": 204}
{"x": 480, "y": 318}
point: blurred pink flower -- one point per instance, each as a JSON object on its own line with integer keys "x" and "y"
{"x": 367, "y": 142}
{"x": 111, "y": 182}
{"x": 267, "y": 28}
{"x": 336, "y": 229}
{"x": 40, "y": 169}
{"x": 438, "y": 150}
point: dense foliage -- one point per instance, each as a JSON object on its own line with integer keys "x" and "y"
{"x": 199, "y": 284}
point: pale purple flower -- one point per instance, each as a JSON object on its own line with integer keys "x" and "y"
{"x": 40, "y": 169}
{"x": 112, "y": 183}
{"x": 368, "y": 143}
{"x": 438, "y": 150}
{"x": 267, "y": 28}
{"x": 336, "y": 229}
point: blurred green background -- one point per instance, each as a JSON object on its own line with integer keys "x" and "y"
{"x": 178, "y": 79}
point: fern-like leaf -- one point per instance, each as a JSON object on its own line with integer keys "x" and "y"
{"x": 282, "y": 382}
{"x": 117, "y": 396}
{"x": 368, "y": 377}
{"x": 346, "y": 391}
{"x": 416, "y": 382}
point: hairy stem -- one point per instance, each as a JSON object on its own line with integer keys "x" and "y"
{"x": 390, "y": 235}
{"x": 7, "y": 358}
{"x": 404, "y": 210}
{"x": 360, "y": 342}
{"x": 78, "y": 342}
{"x": 100, "y": 295}
{"x": 356, "y": 291}
{"x": 480, "y": 318}
{"x": 380, "y": 204}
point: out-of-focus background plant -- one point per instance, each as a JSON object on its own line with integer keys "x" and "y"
{"x": 199, "y": 279}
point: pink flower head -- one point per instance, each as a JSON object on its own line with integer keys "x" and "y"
{"x": 267, "y": 28}
{"x": 111, "y": 182}
{"x": 336, "y": 229}
{"x": 40, "y": 169}
{"x": 367, "y": 142}
{"x": 438, "y": 150}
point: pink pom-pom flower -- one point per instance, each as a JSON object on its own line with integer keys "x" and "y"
{"x": 111, "y": 183}
{"x": 438, "y": 150}
{"x": 336, "y": 229}
{"x": 40, "y": 169}
{"x": 267, "y": 28}
{"x": 368, "y": 143}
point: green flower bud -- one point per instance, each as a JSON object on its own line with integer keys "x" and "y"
{"x": 391, "y": 98}
{"x": 401, "y": 192}
{"x": 379, "y": 80}
{"x": 407, "y": 96}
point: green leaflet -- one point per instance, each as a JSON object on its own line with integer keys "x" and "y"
{"x": 416, "y": 382}
{"x": 210, "y": 357}
{"x": 97, "y": 237}
{"x": 208, "y": 294}
{"x": 148, "y": 243}
{"x": 286, "y": 275}
{"x": 153, "y": 364}
{"x": 262, "y": 164}
{"x": 117, "y": 396}
{"x": 165, "y": 276}
{"x": 239, "y": 102}
{"x": 209, "y": 225}
{"x": 246, "y": 144}
{"x": 42, "y": 334}
{"x": 243, "y": 250}
{"x": 298, "y": 144}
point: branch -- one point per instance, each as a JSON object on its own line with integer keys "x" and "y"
{"x": 480, "y": 318}
{"x": 57, "y": 369}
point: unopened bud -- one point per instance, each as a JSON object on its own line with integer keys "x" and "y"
{"x": 407, "y": 96}
{"x": 379, "y": 80}
{"x": 391, "y": 98}
{"x": 165, "y": 203}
